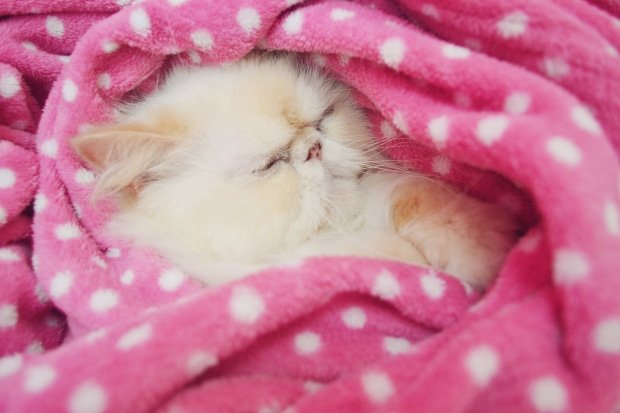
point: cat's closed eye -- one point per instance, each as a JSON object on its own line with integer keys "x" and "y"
{"x": 272, "y": 161}
{"x": 326, "y": 113}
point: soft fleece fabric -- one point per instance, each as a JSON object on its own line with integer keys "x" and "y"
{"x": 514, "y": 101}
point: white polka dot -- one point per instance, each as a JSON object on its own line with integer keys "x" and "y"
{"x": 54, "y": 26}
{"x": 293, "y": 23}
{"x": 312, "y": 386}
{"x": 338, "y": 14}
{"x": 9, "y": 85}
{"x": 7, "y": 178}
{"x": 38, "y": 378}
{"x": 89, "y": 397}
{"x": 555, "y": 67}
{"x": 517, "y": 103}
{"x": 354, "y": 317}
{"x": 432, "y": 286}
{"x": 140, "y": 22}
{"x": 441, "y": 165}
{"x": 7, "y": 254}
{"x": 36, "y": 347}
{"x": 84, "y": 176}
{"x": 99, "y": 262}
{"x": 95, "y": 335}
{"x": 612, "y": 218}
{"x": 584, "y": 119}
{"x": 127, "y": 277}
{"x": 68, "y": 231}
{"x": 490, "y": 129}
{"x": 171, "y": 280}
{"x": 123, "y": 3}
{"x": 31, "y": 47}
{"x": 570, "y": 266}
{"x": 69, "y": 90}
{"x": 377, "y": 386}
{"x": 610, "y": 50}
{"x": 513, "y": 24}
{"x": 388, "y": 130}
{"x": 49, "y": 148}
{"x": 438, "y": 130}
{"x": 430, "y": 11}
{"x": 199, "y": 361}
{"x": 399, "y": 121}
{"x": 249, "y": 19}
{"x": 202, "y": 39}
{"x": 245, "y": 305}
{"x": 61, "y": 284}
{"x": 454, "y": 52}
{"x": 10, "y": 365}
{"x": 307, "y": 343}
{"x": 176, "y": 2}
{"x": 607, "y": 336}
{"x": 113, "y": 253}
{"x": 64, "y": 59}
{"x": 3, "y": 215}
{"x": 104, "y": 81}
{"x": 134, "y": 337}
{"x": 392, "y": 52}
{"x": 462, "y": 100}
{"x": 109, "y": 46}
{"x": 482, "y": 363}
{"x": 8, "y": 316}
{"x": 386, "y": 286}
{"x": 396, "y": 345}
{"x": 563, "y": 151}
{"x": 103, "y": 300}
{"x": 548, "y": 395}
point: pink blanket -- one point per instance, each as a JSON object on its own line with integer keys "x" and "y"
{"x": 514, "y": 101}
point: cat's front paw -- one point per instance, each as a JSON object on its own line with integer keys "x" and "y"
{"x": 456, "y": 233}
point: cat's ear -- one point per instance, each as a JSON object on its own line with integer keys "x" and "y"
{"x": 122, "y": 154}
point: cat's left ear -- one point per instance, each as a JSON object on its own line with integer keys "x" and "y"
{"x": 122, "y": 154}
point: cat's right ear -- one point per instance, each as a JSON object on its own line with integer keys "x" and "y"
{"x": 122, "y": 155}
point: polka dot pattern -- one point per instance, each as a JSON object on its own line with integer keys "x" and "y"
{"x": 548, "y": 394}
{"x": 38, "y": 378}
{"x": 490, "y": 129}
{"x": 9, "y": 85}
{"x": 89, "y": 397}
{"x": 140, "y": 22}
{"x": 392, "y": 52}
{"x": 249, "y": 19}
{"x": 246, "y": 305}
{"x": 570, "y": 266}
{"x": 482, "y": 364}
{"x": 354, "y": 318}
{"x": 307, "y": 343}
{"x": 414, "y": 85}
{"x": 563, "y": 151}
{"x": 378, "y": 387}
{"x": 386, "y": 286}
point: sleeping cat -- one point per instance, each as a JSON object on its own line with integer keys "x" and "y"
{"x": 228, "y": 169}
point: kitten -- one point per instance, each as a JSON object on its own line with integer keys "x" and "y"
{"x": 228, "y": 169}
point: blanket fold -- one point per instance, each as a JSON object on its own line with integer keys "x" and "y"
{"x": 514, "y": 102}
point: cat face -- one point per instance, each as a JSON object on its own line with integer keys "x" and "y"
{"x": 236, "y": 162}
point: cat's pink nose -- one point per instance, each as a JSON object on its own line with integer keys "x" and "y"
{"x": 314, "y": 152}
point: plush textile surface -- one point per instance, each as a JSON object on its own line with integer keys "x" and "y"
{"x": 513, "y": 101}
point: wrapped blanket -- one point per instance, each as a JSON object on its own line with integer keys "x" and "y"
{"x": 516, "y": 102}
